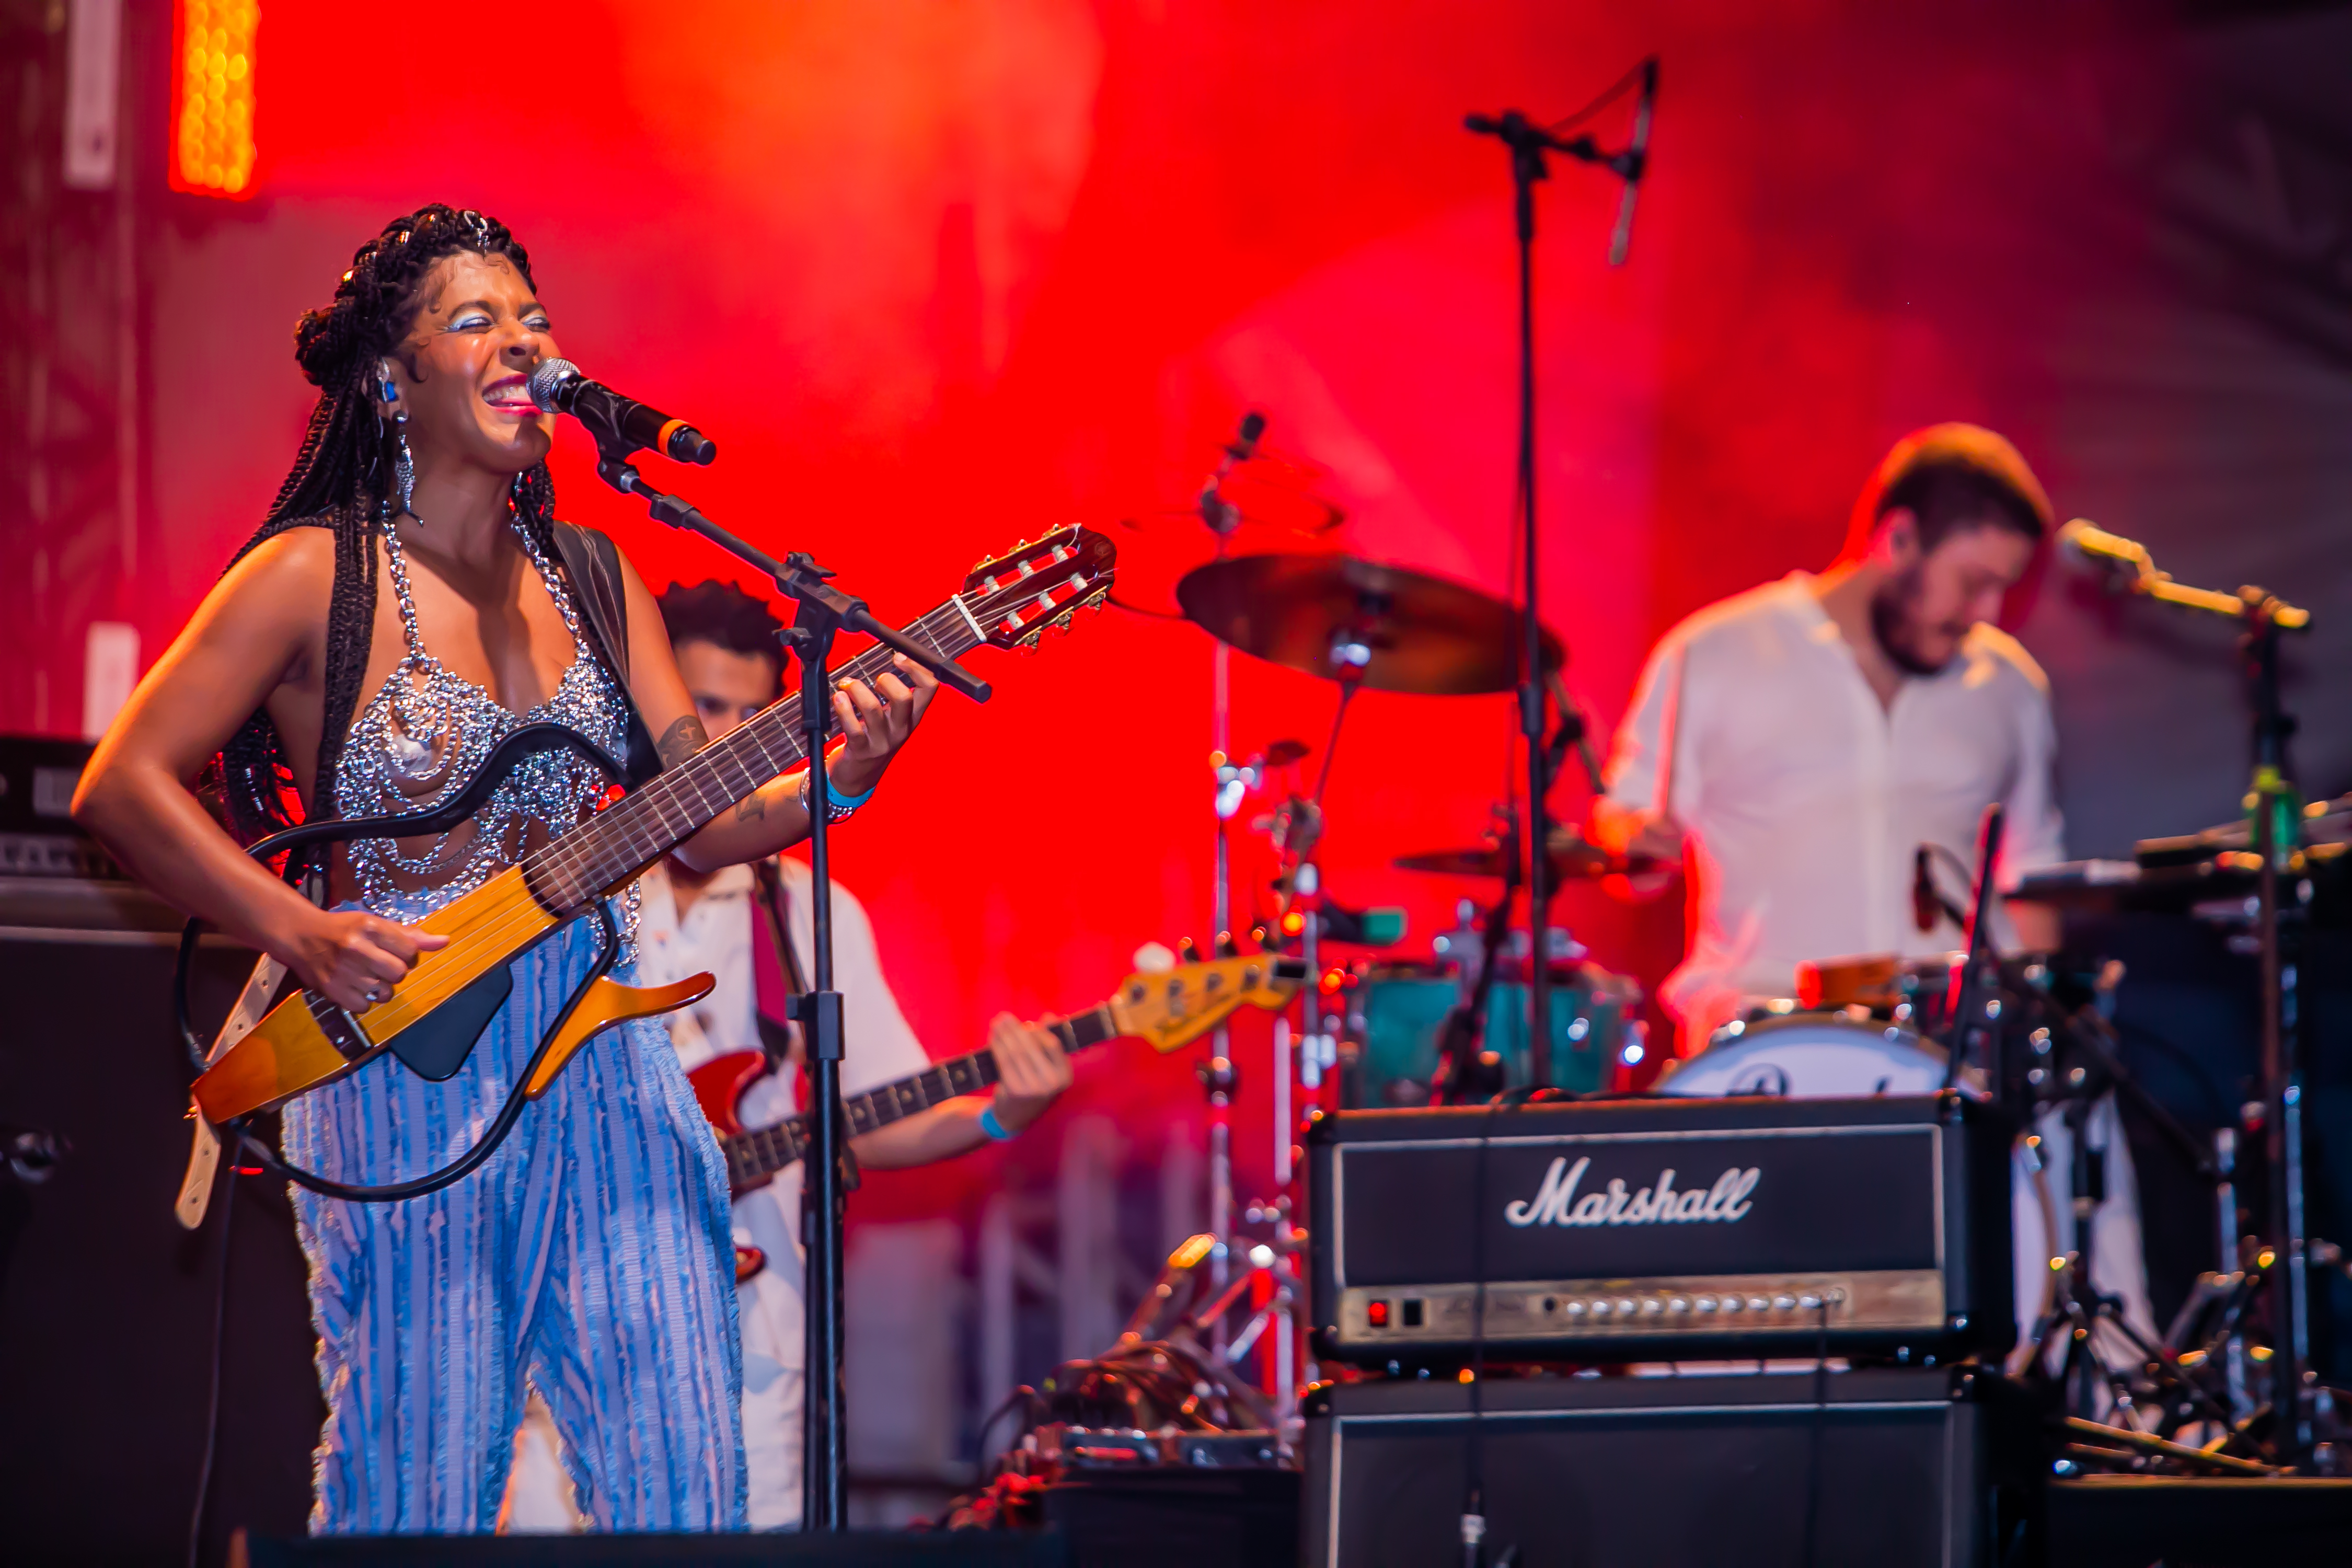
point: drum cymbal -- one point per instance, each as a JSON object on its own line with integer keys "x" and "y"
{"x": 1416, "y": 633}
{"x": 1571, "y": 859}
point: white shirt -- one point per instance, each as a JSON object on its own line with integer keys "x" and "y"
{"x": 1805, "y": 798}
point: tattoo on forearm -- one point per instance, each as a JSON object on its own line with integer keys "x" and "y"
{"x": 751, "y": 806}
{"x": 681, "y": 741}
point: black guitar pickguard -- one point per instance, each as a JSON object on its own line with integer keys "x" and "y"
{"x": 436, "y": 1046}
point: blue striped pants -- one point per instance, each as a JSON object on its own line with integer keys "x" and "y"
{"x": 592, "y": 1255}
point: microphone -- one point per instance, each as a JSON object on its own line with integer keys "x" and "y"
{"x": 1636, "y": 164}
{"x": 558, "y": 387}
{"x": 2094, "y": 544}
{"x": 1244, "y": 448}
{"x": 1929, "y": 903}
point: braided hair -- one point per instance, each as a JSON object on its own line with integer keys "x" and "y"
{"x": 341, "y": 482}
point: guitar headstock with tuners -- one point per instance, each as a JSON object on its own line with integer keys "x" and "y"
{"x": 1013, "y": 598}
{"x": 1171, "y": 1008}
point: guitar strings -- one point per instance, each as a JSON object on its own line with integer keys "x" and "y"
{"x": 395, "y": 1013}
{"x": 569, "y": 855}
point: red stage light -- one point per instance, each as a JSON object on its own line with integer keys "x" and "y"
{"x": 1293, "y": 923}
{"x": 212, "y": 147}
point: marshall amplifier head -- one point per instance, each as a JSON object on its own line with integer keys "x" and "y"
{"x": 1662, "y": 1230}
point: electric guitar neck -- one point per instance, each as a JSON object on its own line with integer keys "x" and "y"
{"x": 1170, "y": 1009}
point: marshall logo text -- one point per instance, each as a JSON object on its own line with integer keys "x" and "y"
{"x": 1556, "y": 1201}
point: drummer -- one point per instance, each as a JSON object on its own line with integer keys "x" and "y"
{"x": 1791, "y": 746}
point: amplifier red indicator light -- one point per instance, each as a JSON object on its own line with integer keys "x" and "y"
{"x": 1377, "y": 1314}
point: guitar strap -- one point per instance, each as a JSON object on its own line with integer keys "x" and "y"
{"x": 784, "y": 973}
{"x": 773, "y": 916}
{"x": 593, "y": 563}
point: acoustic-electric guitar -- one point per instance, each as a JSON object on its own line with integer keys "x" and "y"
{"x": 440, "y": 1008}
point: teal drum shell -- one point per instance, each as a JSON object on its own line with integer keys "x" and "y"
{"x": 1396, "y": 1013}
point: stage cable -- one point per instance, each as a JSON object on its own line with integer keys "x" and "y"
{"x": 1811, "y": 1557}
{"x": 213, "y": 1398}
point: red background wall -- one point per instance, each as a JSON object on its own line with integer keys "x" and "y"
{"x": 938, "y": 276}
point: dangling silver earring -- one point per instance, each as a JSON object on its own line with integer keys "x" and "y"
{"x": 403, "y": 469}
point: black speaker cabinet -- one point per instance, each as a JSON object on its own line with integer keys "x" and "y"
{"x": 1899, "y": 1466}
{"x": 106, "y": 1304}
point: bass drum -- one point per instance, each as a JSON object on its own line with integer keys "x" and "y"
{"x": 1810, "y": 1056}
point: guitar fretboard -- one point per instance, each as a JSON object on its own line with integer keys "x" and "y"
{"x": 616, "y": 844}
{"x": 752, "y": 1157}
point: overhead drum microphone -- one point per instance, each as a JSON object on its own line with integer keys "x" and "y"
{"x": 558, "y": 387}
{"x": 1635, "y": 166}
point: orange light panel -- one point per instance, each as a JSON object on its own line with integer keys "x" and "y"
{"x": 212, "y": 97}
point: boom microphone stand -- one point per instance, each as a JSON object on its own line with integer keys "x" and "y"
{"x": 1530, "y": 143}
{"x": 2275, "y": 832}
{"x": 824, "y": 611}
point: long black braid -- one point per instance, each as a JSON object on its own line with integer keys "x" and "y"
{"x": 342, "y": 480}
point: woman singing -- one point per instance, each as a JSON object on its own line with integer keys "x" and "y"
{"x": 404, "y": 606}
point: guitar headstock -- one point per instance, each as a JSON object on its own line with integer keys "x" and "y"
{"x": 1173, "y": 1007}
{"x": 1015, "y": 596}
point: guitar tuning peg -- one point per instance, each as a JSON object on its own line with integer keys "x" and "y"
{"x": 1257, "y": 935}
{"x": 1226, "y": 946}
{"x": 1187, "y": 951}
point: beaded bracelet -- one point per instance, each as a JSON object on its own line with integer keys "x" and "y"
{"x": 838, "y": 807}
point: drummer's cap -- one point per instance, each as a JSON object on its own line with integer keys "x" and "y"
{"x": 1951, "y": 476}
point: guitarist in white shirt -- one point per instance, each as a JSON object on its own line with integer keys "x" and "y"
{"x": 690, "y": 922}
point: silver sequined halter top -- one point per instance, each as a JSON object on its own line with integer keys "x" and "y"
{"x": 428, "y": 730}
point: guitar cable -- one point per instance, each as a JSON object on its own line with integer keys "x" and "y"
{"x": 465, "y": 1164}
{"x": 213, "y": 1399}
{"x": 529, "y": 740}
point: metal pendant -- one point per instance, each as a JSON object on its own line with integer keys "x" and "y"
{"x": 403, "y": 474}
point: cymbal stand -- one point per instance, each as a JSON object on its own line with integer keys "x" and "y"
{"x": 2277, "y": 834}
{"x": 1217, "y": 1077}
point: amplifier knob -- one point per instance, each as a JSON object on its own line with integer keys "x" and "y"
{"x": 1653, "y": 1307}
{"x": 1678, "y": 1304}
{"x": 1732, "y": 1303}
{"x": 1706, "y": 1303}
{"x": 1810, "y": 1303}
{"x": 1574, "y": 1309}
{"x": 1759, "y": 1304}
{"x": 1601, "y": 1309}
{"x": 1782, "y": 1303}
{"x": 1625, "y": 1308}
